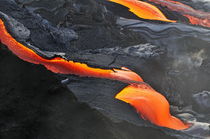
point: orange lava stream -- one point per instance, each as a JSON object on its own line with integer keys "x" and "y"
{"x": 152, "y": 105}
{"x": 143, "y": 10}
{"x": 195, "y": 17}
{"x": 60, "y": 65}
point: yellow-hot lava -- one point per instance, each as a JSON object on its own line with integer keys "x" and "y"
{"x": 143, "y": 10}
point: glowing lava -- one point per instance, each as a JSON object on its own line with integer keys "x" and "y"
{"x": 152, "y": 105}
{"x": 143, "y": 10}
{"x": 195, "y": 17}
{"x": 60, "y": 65}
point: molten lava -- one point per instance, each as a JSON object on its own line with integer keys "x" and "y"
{"x": 60, "y": 65}
{"x": 143, "y": 10}
{"x": 152, "y": 105}
{"x": 195, "y": 17}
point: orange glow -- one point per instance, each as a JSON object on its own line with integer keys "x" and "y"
{"x": 60, "y": 65}
{"x": 197, "y": 21}
{"x": 143, "y": 10}
{"x": 151, "y": 105}
{"x": 195, "y": 17}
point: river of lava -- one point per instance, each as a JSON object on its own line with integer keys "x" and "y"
{"x": 149, "y": 103}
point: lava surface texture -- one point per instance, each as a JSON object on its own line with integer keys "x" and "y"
{"x": 142, "y": 65}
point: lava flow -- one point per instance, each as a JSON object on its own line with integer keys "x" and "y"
{"x": 143, "y": 10}
{"x": 60, "y": 65}
{"x": 151, "y": 104}
{"x": 195, "y": 17}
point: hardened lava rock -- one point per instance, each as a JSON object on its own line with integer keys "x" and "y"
{"x": 172, "y": 58}
{"x": 202, "y": 100}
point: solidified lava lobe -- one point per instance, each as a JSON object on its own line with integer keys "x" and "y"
{"x": 151, "y": 105}
{"x": 143, "y": 10}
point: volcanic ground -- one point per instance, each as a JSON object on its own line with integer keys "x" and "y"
{"x": 37, "y": 103}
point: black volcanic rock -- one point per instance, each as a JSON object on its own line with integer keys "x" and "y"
{"x": 34, "y": 104}
{"x": 172, "y": 57}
